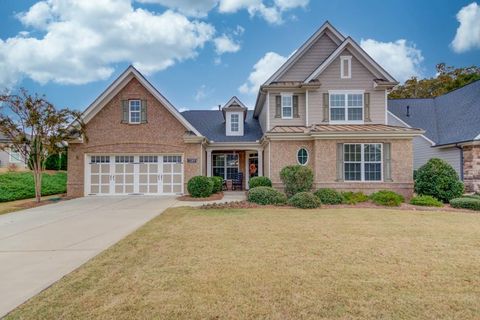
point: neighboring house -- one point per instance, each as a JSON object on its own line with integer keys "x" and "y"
{"x": 452, "y": 130}
{"x": 325, "y": 108}
{"x": 9, "y": 156}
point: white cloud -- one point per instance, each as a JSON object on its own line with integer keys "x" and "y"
{"x": 262, "y": 70}
{"x": 468, "y": 33}
{"x": 195, "y": 8}
{"x": 400, "y": 58}
{"x": 182, "y": 109}
{"x": 203, "y": 92}
{"x": 224, "y": 44}
{"x": 291, "y": 4}
{"x": 83, "y": 40}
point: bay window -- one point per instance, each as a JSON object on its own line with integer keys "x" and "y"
{"x": 363, "y": 161}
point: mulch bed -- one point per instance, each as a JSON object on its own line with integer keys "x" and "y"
{"x": 33, "y": 203}
{"x": 215, "y": 196}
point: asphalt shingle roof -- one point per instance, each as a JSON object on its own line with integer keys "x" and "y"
{"x": 212, "y": 125}
{"x": 451, "y": 118}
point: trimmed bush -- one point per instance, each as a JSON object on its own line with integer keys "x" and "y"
{"x": 304, "y": 200}
{"x": 296, "y": 179}
{"x": 387, "y": 198}
{"x": 466, "y": 203}
{"x": 259, "y": 182}
{"x": 329, "y": 196}
{"x": 266, "y": 195}
{"x": 19, "y": 185}
{"x": 427, "y": 201}
{"x": 353, "y": 197}
{"x": 438, "y": 179}
{"x": 217, "y": 184}
{"x": 200, "y": 187}
{"x": 472, "y": 196}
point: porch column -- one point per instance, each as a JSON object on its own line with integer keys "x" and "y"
{"x": 209, "y": 163}
{"x": 260, "y": 162}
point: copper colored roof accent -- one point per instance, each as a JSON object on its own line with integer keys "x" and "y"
{"x": 342, "y": 128}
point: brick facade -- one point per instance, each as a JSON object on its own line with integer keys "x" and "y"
{"x": 471, "y": 168}
{"x": 322, "y": 160}
{"x": 162, "y": 133}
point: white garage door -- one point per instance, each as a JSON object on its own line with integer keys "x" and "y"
{"x": 122, "y": 174}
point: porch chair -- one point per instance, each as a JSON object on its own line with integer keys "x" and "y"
{"x": 237, "y": 181}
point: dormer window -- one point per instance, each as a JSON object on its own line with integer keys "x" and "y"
{"x": 234, "y": 113}
{"x": 234, "y": 122}
{"x": 134, "y": 111}
{"x": 345, "y": 67}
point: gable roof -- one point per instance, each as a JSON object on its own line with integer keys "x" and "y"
{"x": 338, "y": 38}
{"x": 233, "y": 102}
{"x": 211, "y": 124}
{"x": 359, "y": 53}
{"x": 123, "y": 80}
{"x": 447, "y": 119}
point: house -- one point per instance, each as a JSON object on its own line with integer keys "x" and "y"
{"x": 8, "y": 155}
{"x": 452, "y": 130}
{"x": 325, "y": 108}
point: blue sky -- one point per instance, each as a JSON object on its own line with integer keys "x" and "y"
{"x": 199, "y": 53}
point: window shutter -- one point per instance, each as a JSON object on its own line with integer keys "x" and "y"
{"x": 143, "y": 113}
{"x": 278, "y": 106}
{"x": 124, "y": 111}
{"x": 340, "y": 169}
{"x": 366, "y": 107}
{"x": 295, "y": 107}
{"x": 326, "y": 107}
{"x": 387, "y": 162}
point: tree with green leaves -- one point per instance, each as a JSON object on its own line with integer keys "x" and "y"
{"x": 36, "y": 129}
{"x": 448, "y": 78}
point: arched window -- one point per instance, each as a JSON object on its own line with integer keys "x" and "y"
{"x": 302, "y": 156}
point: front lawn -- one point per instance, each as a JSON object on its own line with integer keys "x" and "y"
{"x": 279, "y": 264}
{"x": 20, "y": 185}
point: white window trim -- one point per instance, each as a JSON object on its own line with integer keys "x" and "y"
{"x": 362, "y": 165}
{"x": 233, "y": 122}
{"x": 345, "y": 92}
{"x": 12, "y": 159}
{"x": 308, "y": 156}
{"x": 130, "y": 112}
{"x": 224, "y": 155}
{"x": 286, "y": 94}
{"x": 349, "y": 64}
{"x": 228, "y": 124}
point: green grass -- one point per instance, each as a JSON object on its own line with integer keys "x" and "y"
{"x": 19, "y": 185}
{"x": 278, "y": 263}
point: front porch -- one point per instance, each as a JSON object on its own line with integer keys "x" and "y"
{"x": 235, "y": 166}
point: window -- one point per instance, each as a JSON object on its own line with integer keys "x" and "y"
{"x": 123, "y": 159}
{"x": 148, "y": 159}
{"x": 14, "y": 156}
{"x": 172, "y": 159}
{"x": 345, "y": 67}
{"x": 100, "y": 159}
{"x": 346, "y": 107}
{"x": 363, "y": 162}
{"x": 225, "y": 165}
{"x": 134, "y": 107}
{"x": 287, "y": 106}
{"x": 302, "y": 156}
{"x": 234, "y": 122}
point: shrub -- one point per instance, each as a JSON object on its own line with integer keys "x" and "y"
{"x": 329, "y": 196}
{"x": 466, "y": 203}
{"x": 472, "y": 196}
{"x": 427, "y": 201}
{"x": 19, "y": 185}
{"x": 259, "y": 182}
{"x": 200, "y": 187}
{"x": 387, "y": 198}
{"x": 266, "y": 195}
{"x": 296, "y": 179}
{"x": 353, "y": 197}
{"x": 217, "y": 184}
{"x": 438, "y": 179}
{"x": 304, "y": 200}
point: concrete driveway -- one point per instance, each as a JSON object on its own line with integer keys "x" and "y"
{"x": 39, "y": 246}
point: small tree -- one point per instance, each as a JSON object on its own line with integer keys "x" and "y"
{"x": 36, "y": 129}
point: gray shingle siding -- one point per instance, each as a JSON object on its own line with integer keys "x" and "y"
{"x": 212, "y": 125}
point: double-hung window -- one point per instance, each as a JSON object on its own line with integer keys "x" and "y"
{"x": 234, "y": 122}
{"x": 346, "y": 107}
{"x": 225, "y": 165}
{"x": 287, "y": 106}
{"x": 363, "y": 161}
{"x": 134, "y": 111}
